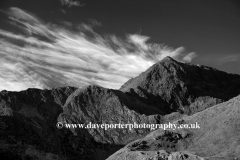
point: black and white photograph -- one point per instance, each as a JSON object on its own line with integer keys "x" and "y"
{"x": 120, "y": 80}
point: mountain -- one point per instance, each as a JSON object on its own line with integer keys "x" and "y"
{"x": 172, "y": 86}
{"x": 217, "y": 138}
{"x": 29, "y": 118}
{"x": 167, "y": 91}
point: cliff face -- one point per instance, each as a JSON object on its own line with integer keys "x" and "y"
{"x": 165, "y": 92}
{"x": 28, "y": 126}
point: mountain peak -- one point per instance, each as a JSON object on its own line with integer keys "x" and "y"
{"x": 167, "y": 62}
{"x": 171, "y": 85}
{"x": 167, "y": 58}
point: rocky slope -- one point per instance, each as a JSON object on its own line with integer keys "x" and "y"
{"x": 217, "y": 138}
{"x": 165, "y": 92}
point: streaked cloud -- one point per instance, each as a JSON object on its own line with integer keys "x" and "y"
{"x": 229, "y": 59}
{"x": 189, "y": 57}
{"x": 16, "y": 14}
{"x": 71, "y": 3}
{"x": 47, "y": 55}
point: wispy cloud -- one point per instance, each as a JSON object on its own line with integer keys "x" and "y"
{"x": 229, "y": 59}
{"x": 71, "y": 3}
{"x": 63, "y": 11}
{"x": 48, "y": 55}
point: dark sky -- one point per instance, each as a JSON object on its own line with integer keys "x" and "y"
{"x": 209, "y": 28}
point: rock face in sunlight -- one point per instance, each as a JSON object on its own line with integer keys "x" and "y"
{"x": 103, "y": 106}
{"x": 167, "y": 91}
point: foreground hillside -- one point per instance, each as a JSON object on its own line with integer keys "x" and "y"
{"x": 167, "y": 91}
{"x": 218, "y": 137}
